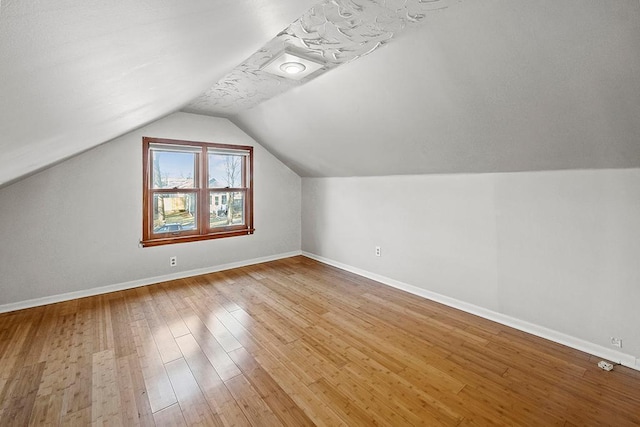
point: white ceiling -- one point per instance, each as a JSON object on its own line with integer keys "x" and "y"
{"x": 76, "y": 73}
{"x": 484, "y": 85}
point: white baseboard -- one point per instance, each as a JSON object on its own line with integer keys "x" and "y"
{"x": 540, "y": 331}
{"x": 138, "y": 283}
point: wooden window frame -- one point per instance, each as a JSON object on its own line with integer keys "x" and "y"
{"x": 202, "y": 192}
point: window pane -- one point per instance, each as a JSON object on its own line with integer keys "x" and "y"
{"x": 225, "y": 170}
{"x": 174, "y": 212}
{"x": 226, "y": 209}
{"x": 171, "y": 169}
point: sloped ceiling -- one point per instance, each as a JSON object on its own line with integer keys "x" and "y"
{"x": 76, "y": 73}
{"x": 480, "y": 86}
{"x": 483, "y": 86}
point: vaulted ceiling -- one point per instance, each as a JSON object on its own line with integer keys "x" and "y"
{"x": 467, "y": 86}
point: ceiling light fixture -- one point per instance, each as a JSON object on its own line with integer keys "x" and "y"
{"x": 292, "y": 67}
{"x": 292, "y": 64}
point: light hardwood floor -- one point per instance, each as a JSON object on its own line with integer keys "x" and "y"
{"x": 292, "y": 342}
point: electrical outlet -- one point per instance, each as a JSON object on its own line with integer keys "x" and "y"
{"x": 616, "y": 342}
{"x": 605, "y": 366}
{"x": 173, "y": 261}
{"x": 377, "y": 250}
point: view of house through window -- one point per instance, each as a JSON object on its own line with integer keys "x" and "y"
{"x": 195, "y": 191}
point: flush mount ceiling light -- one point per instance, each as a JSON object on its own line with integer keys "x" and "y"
{"x": 292, "y": 65}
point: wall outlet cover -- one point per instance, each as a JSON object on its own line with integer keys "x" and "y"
{"x": 605, "y": 366}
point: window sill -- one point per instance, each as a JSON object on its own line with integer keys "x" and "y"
{"x": 195, "y": 238}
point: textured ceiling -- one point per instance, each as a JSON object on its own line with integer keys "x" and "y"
{"x": 483, "y": 86}
{"x": 333, "y": 32}
{"x": 76, "y": 73}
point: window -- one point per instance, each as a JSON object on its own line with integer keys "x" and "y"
{"x": 195, "y": 191}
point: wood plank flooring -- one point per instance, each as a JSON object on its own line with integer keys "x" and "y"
{"x": 297, "y": 343}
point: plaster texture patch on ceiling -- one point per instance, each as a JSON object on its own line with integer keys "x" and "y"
{"x": 333, "y": 32}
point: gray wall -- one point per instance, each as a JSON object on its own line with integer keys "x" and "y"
{"x": 557, "y": 249}
{"x": 76, "y": 226}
